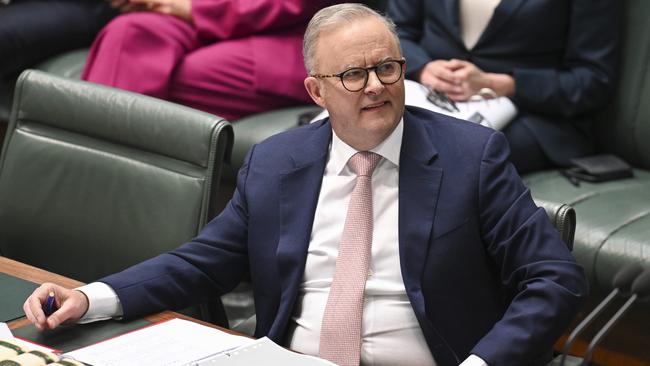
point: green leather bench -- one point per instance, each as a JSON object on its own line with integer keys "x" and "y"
{"x": 613, "y": 218}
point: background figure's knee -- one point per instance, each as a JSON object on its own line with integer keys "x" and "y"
{"x": 525, "y": 151}
{"x": 148, "y": 26}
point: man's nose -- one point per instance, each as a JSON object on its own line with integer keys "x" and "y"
{"x": 374, "y": 85}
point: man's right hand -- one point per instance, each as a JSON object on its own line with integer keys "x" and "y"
{"x": 71, "y": 304}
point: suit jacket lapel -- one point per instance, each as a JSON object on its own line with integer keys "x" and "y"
{"x": 419, "y": 185}
{"x": 299, "y": 189}
{"x": 503, "y": 12}
{"x": 452, "y": 18}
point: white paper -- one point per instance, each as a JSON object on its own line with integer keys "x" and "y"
{"x": 495, "y": 113}
{"x": 5, "y": 333}
{"x": 262, "y": 352}
{"x": 174, "y": 342}
{"x": 33, "y": 346}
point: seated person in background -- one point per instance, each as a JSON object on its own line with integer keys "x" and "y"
{"x": 32, "y": 30}
{"x": 231, "y": 58}
{"x": 556, "y": 60}
{"x": 442, "y": 258}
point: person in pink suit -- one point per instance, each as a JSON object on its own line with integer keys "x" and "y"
{"x": 231, "y": 58}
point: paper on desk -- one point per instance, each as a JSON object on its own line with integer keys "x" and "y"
{"x": 262, "y": 352}
{"x": 5, "y": 333}
{"x": 174, "y": 342}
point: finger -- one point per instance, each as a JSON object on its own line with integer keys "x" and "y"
{"x": 460, "y": 97}
{"x": 28, "y": 312}
{"x": 63, "y": 314}
{"x": 445, "y": 74}
{"x": 34, "y": 311}
{"x": 455, "y": 63}
{"x": 72, "y": 308}
{"x": 445, "y": 87}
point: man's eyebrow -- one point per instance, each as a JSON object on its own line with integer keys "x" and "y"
{"x": 383, "y": 59}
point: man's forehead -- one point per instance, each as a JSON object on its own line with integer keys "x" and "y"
{"x": 354, "y": 46}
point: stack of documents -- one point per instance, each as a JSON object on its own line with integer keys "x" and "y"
{"x": 180, "y": 342}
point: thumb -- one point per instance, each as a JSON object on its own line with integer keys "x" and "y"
{"x": 57, "y": 318}
{"x": 69, "y": 310}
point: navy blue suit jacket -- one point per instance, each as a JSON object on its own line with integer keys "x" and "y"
{"x": 563, "y": 55}
{"x": 484, "y": 269}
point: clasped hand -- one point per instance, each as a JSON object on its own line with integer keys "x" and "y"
{"x": 178, "y": 8}
{"x": 460, "y": 80}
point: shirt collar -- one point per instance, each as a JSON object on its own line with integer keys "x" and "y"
{"x": 389, "y": 149}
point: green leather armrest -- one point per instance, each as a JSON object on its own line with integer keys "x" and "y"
{"x": 563, "y": 217}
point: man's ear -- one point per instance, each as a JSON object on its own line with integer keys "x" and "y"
{"x": 315, "y": 91}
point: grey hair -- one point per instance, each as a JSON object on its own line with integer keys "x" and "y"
{"x": 335, "y": 15}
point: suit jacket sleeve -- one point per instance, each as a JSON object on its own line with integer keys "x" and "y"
{"x": 544, "y": 285}
{"x": 586, "y": 74}
{"x": 227, "y": 19}
{"x": 209, "y": 265}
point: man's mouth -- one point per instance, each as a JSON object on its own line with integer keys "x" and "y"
{"x": 374, "y": 106}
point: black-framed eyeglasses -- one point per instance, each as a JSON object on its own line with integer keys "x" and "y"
{"x": 356, "y": 78}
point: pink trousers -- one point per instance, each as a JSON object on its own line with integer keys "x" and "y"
{"x": 163, "y": 56}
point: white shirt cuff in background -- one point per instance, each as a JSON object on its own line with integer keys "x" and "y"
{"x": 103, "y": 303}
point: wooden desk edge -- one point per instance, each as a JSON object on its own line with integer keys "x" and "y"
{"x": 39, "y": 276}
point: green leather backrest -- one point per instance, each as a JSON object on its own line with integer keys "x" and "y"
{"x": 625, "y": 128}
{"x": 94, "y": 179}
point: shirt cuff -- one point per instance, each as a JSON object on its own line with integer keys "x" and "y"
{"x": 103, "y": 303}
{"x": 473, "y": 360}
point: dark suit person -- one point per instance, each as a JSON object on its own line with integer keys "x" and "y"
{"x": 484, "y": 275}
{"x": 32, "y": 30}
{"x": 556, "y": 60}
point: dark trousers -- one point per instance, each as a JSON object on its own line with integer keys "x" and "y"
{"x": 525, "y": 151}
{"x": 33, "y": 30}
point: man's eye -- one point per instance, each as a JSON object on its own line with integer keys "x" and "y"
{"x": 387, "y": 68}
{"x": 354, "y": 74}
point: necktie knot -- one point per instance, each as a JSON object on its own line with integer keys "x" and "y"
{"x": 364, "y": 163}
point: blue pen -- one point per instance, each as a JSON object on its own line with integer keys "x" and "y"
{"x": 50, "y": 306}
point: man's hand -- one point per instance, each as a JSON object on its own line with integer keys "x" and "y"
{"x": 72, "y": 305}
{"x": 462, "y": 79}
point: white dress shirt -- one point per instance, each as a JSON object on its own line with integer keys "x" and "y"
{"x": 391, "y": 334}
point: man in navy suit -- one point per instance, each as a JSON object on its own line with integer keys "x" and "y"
{"x": 464, "y": 268}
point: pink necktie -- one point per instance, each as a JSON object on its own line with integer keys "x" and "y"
{"x": 340, "y": 336}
